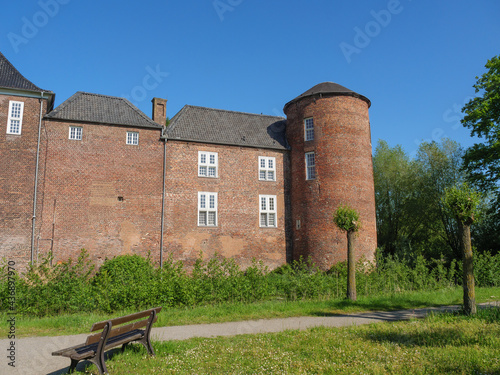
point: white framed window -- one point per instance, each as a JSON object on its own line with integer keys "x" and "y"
{"x": 15, "y": 119}
{"x": 310, "y": 166}
{"x": 75, "y": 132}
{"x": 308, "y": 129}
{"x": 267, "y": 210}
{"x": 207, "y": 164}
{"x": 133, "y": 138}
{"x": 267, "y": 168}
{"x": 207, "y": 209}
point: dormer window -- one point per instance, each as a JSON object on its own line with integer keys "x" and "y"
{"x": 15, "y": 119}
{"x": 309, "y": 129}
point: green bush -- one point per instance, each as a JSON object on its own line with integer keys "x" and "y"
{"x": 126, "y": 281}
{"x": 47, "y": 290}
{"x": 131, "y": 282}
{"x": 172, "y": 284}
{"x": 487, "y": 269}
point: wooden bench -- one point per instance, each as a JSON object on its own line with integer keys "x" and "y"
{"x": 112, "y": 334}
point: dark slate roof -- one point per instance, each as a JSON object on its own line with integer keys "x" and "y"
{"x": 327, "y": 89}
{"x": 208, "y": 125}
{"x": 101, "y": 109}
{"x": 12, "y": 79}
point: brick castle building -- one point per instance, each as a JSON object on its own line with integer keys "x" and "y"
{"x": 97, "y": 173}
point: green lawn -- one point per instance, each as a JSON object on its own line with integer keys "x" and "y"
{"x": 440, "y": 344}
{"x": 81, "y": 323}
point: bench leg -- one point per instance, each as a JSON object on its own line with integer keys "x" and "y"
{"x": 98, "y": 360}
{"x": 147, "y": 344}
{"x": 146, "y": 340}
{"x": 72, "y": 368}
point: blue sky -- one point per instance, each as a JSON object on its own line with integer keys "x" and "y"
{"x": 416, "y": 60}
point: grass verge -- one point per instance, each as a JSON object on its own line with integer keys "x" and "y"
{"x": 81, "y": 323}
{"x": 439, "y": 344}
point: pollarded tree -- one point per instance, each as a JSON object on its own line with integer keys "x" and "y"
{"x": 463, "y": 203}
{"x": 347, "y": 219}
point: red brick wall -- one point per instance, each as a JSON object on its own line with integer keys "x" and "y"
{"x": 344, "y": 175}
{"x": 80, "y": 184}
{"x": 17, "y": 178}
{"x": 83, "y": 182}
{"x": 238, "y": 234}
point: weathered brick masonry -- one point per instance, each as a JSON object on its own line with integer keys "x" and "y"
{"x": 237, "y": 234}
{"x": 344, "y": 175}
{"x": 101, "y": 187}
{"x": 17, "y": 177}
{"x": 101, "y": 194}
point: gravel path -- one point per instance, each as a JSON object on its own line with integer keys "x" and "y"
{"x": 33, "y": 354}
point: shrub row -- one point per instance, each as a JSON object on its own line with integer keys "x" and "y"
{"x": 132, "y": 282}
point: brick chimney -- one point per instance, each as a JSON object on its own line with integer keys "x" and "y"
{"x": 159, "y": 110}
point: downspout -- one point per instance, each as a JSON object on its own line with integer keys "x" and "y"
{"x": 163, "y": 195}
{"x": 33, "y": 223}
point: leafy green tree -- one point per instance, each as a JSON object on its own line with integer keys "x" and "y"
{"x": 486, "y": 233}
{"x": 411, "y": 219}
{"x": 463, "y": 203}
{"x": 347, "y": 219}
{"x": 393, "y": 188}
{"x": 437, "y": 167}
{"x": 482, "y": 116}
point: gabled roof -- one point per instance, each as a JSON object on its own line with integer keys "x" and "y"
{"x": 12, "y": 79}
{"x": 101, "y": 109}
{"x": 327, "y": 89}
{"x": 208, "y": 125}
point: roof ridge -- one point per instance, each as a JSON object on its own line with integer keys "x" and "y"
{"x": 139, "y": 112}
{"x": 173, "y": 120}
{"x": 63, "y": 105}
{"x": 95, "y": 108}
{"x": 216, "y": 126}
{"x": 232, "y": 111}
{"x": 80, "y": 93}
{"x": 103, "y": 95}
{"x": 125, "y": 100}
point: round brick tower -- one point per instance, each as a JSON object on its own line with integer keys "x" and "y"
{"x": 328, "y": 130}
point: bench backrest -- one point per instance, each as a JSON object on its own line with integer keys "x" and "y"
{"x": 117, "y": 322}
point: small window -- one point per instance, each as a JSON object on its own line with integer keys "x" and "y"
{"x": 207, "y": 209}
{"x": 133, "y": 138}
{"x": 75, "y": 132}
{"x": 267, "y": 210}
{"x": 267, "y": 168}
{"x": 310, "y": 166}
{"x": 309, "y": 129}
{"x": 15, "y": 119}
{"x": 207, "y": 164}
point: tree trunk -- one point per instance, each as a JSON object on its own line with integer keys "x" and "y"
{"x": 351, "y": 267}
{"x": 468, "y": 277}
